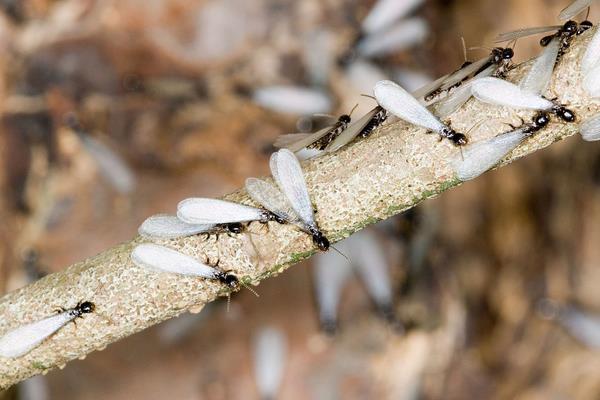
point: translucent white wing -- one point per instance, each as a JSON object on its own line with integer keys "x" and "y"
{"x": 289, "y": 139}
{"x": 331, "y": 272}
{"x": 585, "y": 327}
{"x": 497, "y": 91}
{"x": 163, "y": 259}
{"x": 368, "y": 257}
{"x": 293, "y": 185}
{"x": 573, "y": 9}
{"x": 385, "y": 12}
{"x": 312, "y": 123}
{"x": 464, "y": 72}
{"x": 481, "y": 156}
{"x": 537, "y": 79}
{"x": 519, "y": 33}
{"x": 269, "y": 361}
{"x": 591, "y": 81}
{"x": 351, "y": 131}
{"x": 199, "y": 210}
{"x": 308, "y": 140}
{"x": 460, "y": 95}
{"x": 112, "y": 167}
{"x": 270, "y": 198}
{"x": 273, "y": 167}
{"x": 21, "y": 340}
{"x": 166, "y": 226}
{"x": 591, "y": 57}
{"x": 590, "y": 129}
{"x": 293, "y": 99}
{"x": 401, "y": 36}
{"x": 429, "y": 87}
{"x": 402, "y": 104}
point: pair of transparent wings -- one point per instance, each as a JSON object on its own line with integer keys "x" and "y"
{"x": 198, "y": 210}
{"x": 159, "y": 258}
{"x": 297, "y": 141}
{"x": 500, "y": 92}
{"x": 291, "y": 201}
{"x": 402, "y": 104}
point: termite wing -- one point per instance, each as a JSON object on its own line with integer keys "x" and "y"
{"x": 318, "y": 140}
{"x": 291, "y": 201}
{"x": 576, "y": 7}
{"x": 481, "y": 156}
{"x": 538, "y": 78}
{"x": 205, "y": 211}
{"x": 159, "y": 258}
{"x": 590, "y": 129}
{"x": 402, "y": 104}
{"x": 564, "y": 33}
{"x": 363, "y": 127}
{"x": 500, "y": 92}
{"x": 21, "y": 340}
{"x": 164, "y": 226}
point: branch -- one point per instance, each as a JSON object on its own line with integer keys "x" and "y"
{"x": 395, "y": 169}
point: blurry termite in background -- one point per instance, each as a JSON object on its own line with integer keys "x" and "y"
{"x": 590, "y": 66}
{"x": 402, "y": 104}
{"x": 368, "y": 260}
{"x": 291, "y": 202}
{"x": 20, "y": 341}
{"x": 270, "y": 353}
{"x": 293, "y": 100}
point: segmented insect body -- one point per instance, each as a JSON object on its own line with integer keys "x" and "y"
{"x": 318, "y": 140}
{"x": 402, "y": 104}
{"x": 484, "y": 155}
{"x": 164, "y": 259}
{"x": 291, "y": 201}
{"x": 22, "y": 340}
{"x": 563, "y": 33}
{"x": 361, "y": 128}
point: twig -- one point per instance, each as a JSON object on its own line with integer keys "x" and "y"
{"x": 371, "y": 180}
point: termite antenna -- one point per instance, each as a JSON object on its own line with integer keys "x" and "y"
{"x": 464, "y": 46}
{"x": 353, "y": 108}
{"x": 250, "y": 289}
{"x": 369, "y": 96}
{"x": 342, "y": 254}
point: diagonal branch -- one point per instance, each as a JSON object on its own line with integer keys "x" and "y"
{"x": 392, "y": 171}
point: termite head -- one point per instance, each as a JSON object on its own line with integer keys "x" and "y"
{"x": 499, "y": 54}
{"x": 564, "y": 113}
{"x": 320, "y": 240}
{"x": 458, "y": 139}
{"x": 235, "y": 228}
{"x": 570, "y": 27}
{"x": 229, "y": 280}
{"x": 85, "y": 307}
{"x": 540, "y": 120}
{"x": 345, "y": 119}
{"x": 507, "y": 53}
